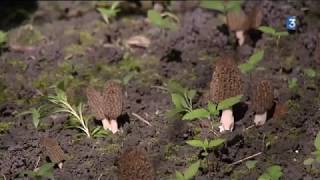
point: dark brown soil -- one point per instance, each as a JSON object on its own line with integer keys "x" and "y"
{"x": 186, "y": 55}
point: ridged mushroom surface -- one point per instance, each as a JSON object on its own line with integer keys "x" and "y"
{"x": 53, "y": 149}
{"x": 113, "y": 98}
{"x": 134, "y": 165}
{"x": 255, "y": 16}
{"x": 238, "y": 20}
{"x": 262, "y": 98}
{"x": 95, "y": 102}
{"x": 226, "y": 80}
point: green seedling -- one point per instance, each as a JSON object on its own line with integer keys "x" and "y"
{"x": 252, "y": 62}
{"x": 221, "y": 5}
{"x": 292, "y": 83}
{"x": 36, "y": 114}
{"x": 4, "y": 126}
{"x": 272, "y": 173}
{"x": 271, "y": 31}
{"x": 60, "y": 99}
{"x": 316, "y": 153}
{"x": 206, "y": 144}
{"x": 189, "y": 173}
{"x": 108, "y": 13}
{"x": 181, "y": 98}
{"x": 165, "y": 20}
{"x": 212, "y": 110}
{"x": 251, "y": 164}
{"x": 310, "y": 72}
{"x": 45, "y": 171}
{"x": 3, "y": 38}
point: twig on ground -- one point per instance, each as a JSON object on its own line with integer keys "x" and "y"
{"x": 160, "y": 87}
{"x": 37, "y": 163}
{"x": 246, "y": 158}
{"x": 141, "y": 119}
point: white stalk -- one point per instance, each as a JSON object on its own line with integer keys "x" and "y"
{"x": 240, "y": 37}
{"x": 60, "y": 165}
{"x": 260, "y": 119}
{"x": 106, "y": 124}
{"x": 227, "y": 120}
{"x": 114, "y": 126}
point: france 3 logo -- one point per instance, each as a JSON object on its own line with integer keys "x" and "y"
{"x": 291, "y": 23}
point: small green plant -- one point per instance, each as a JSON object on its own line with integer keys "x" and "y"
{"x": 251, "y": 164}
{"x": 4, "y": 126}
{"x": 165, "y": 20}
{"x": 272, "y": 173}
{"x": 60, "y": 99}
{"x": 189, "y": 173}
{"x": 271, "y": 31}
{"x": 206, "y": 144}
{"x": 181, "y": 98}
{"x": 3, "y": 38}
{"x": 45, "y": 171}
{"x": 36, "y": 115}
{"x": 108, "y": 13}
{"x": 252, "y": 62}
{"x": 212, "y": 110}
{"x": 316, "y": 153}
{"x": 292, "y": 83}
{"x": 310, "y": 72}
{"x": 221, "y": 5}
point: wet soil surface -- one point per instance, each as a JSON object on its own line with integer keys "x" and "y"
{"x": 77, "y": 49}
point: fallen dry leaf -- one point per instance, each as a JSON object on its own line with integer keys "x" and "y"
{"x": 138, "y": 41}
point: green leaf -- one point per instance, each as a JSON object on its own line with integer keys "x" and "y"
{"x": 308, "y": 161}
{"x": 252, "y": 62}
{"x": 197, "y": 113}
{"x": 272, "y": 173}
{"x": 317, "y": 141}
{"x": 212, "y": 109}
{"x": 284, "y": 33}
{"x": 46, "y": 170}
{"x": 214, "y": 5}
{"x": 191, "y": 171}
{"x": 175, "y": 87}
{"x": 310, "y": 72}
{"x": 3, "y": 37}
{"x": 233, "y": 5}
{"x": 267, "y": 30}
{"x": 178, "y": 101}
{"x": 206, "y": 143}
{"x": 173, "y": 112}
{"x": 155, "y": 17}
{"x": 216, "y": 142}
{"x": 127, "y": 78}
{"x": 35, "y": 117}
{"x": 229, "y": 102}
{"x": 195, "y": 143}
{"x": 179, "y": 176}
{"x": 251, "y": 164}
{"x": 191, "y": 93}
{"x": 292, "y": 83}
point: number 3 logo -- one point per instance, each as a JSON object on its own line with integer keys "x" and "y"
{"x": 291, "y": 23}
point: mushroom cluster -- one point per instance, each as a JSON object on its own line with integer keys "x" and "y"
{"x": 239, "y": 22}
{"x": 226, "y": 82}
{"x": 52, "y": 149}
{"x": 262, "y": 101}
{"x": 107, "y": 107}
{"x": 134, "y": 164}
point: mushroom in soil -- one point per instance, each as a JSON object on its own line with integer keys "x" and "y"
{"x": 240, "y": 22}
{"x": 133, "y": 164}
{"x": 262, "y": 101}
{"x": 53, "y": 150}
{"x": 108, "y": 106}
{"x": 226, "y": 82}
{"x": 113, "y": 97}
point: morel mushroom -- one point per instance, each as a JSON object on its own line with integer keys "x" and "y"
{"x": 53, "y": 150}
{"x": 226, "y": 82}
{"x": 107, "y": 107}
{"x": 262, "y": 101}
{"x": 134, "y": 164}
{"x": 240, "y": 22}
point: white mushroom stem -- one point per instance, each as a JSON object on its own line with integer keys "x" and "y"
{"x": 227, "y": 120}
{"x": 60, "y": 165}
{"x": 114, "y": 126}
{"x": 260, "y": 119}
{"x": 106, "y": 124}
{"x": 240, "y": 37}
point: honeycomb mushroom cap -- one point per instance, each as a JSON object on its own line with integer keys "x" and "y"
{"x": 262, "y": 99}
{"x": 95, "y": 102}
{"x": 238, "y": 20}
{"x": 134, "y": 164}
{"x": 226, "y": 80}
{"x": 52, "y": 149}
{"x": 113, "y": 97}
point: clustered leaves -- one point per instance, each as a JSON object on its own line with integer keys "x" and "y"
{"x": 110, "y": 12}
{"x": 189, "y": 173}
{"x": 221, "y": 5}
{"x": 272, "y": 173}
{"x": 252, "y": 62}
{"x": 206, "y": 144}
{"x": 166, "y": 20}
{"x": 44, "y": 171}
